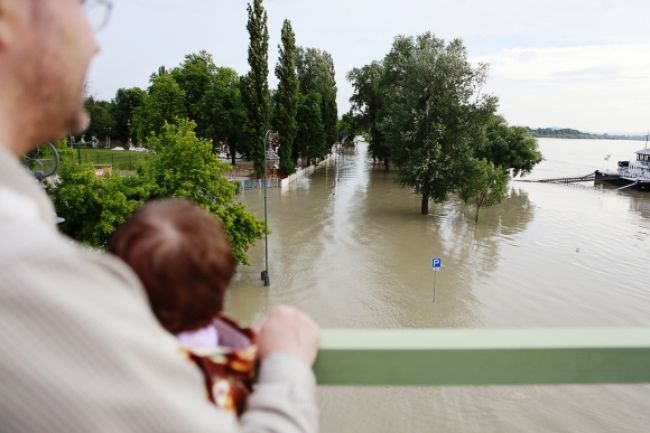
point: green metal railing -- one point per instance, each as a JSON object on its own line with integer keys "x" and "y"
{"x": 484, "y": 357}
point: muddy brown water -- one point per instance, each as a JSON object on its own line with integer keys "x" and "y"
{"x": 350, "y": 248}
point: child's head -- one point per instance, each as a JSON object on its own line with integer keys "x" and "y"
{"x": 182, "y": 256}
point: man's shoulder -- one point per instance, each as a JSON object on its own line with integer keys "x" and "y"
{"x": 33, "y": 253}
{"x": 83, "y": 340}
{"x": 23, "y": 240}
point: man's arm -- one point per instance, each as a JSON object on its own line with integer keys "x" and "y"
{"x": 81, "y": 351}
{"x": 285, "y": 395}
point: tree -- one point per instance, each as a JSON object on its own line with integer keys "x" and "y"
{"x": 164, "y": 104}
{"x": 222, "y": 111}
{"x": 212, "y": 99}
{"x": 125, "y": 104}
{"x": 367, "y": 102}
{"x": 287, "y": 99}
{"x": 93, "y": 207}
{"x": 195, "y": 77}
{"x": 485, "y": 184}
{"x": 185, "y": 166}
{"x": 509, "y": 147}
{"x": 316, "y": 75}
{"x": 328, "y": 105}
{"x": 433, "y": 114}
{"x": 255, "y": 88}
{"x": 101, "y": 119}
{"x": 310, "y": 140}
{"x": 346, "y": 127}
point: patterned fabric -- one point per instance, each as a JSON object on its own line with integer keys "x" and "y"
{"x": 229, "y": 369}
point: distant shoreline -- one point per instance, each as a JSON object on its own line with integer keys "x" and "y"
{"x": 575, "y": 134}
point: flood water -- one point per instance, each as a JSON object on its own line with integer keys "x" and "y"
{"x": 350, "y": 248}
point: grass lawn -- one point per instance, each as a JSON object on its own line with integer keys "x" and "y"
{"x": 118, "y": 159}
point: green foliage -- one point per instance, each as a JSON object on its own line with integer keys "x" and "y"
{"x": 222, "y": 112}
{"x": 509, "y": 147}
{"x": 346, "y": 128}
{"x": 367, "y": 102}
{"x": 310, "y": 140}
{"x": 287, "y": 99}
{"x": 485, "y": 185}
{"x": 183, "y": 166}
{"x": 575, "y": 134}
{"x": 424, "y": 111}
{"x": 316, "y": 75}
{"x": 93, "y": 207}
{"x": 433, "y": 114}
{"x": 212, "y": 99}
{"x": 125, "y": 104}
{"x": 164, "y": 104}
{"x": 255, "y": 87}
{"x": 194, "y": 76}
{"x": 66, "y": 153}
{"x": 101, "y": 118}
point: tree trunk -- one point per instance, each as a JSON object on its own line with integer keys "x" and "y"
{"x": 386, "y": 162}
{"x": 479, "y": 205}
{"x": 424, "y": 208}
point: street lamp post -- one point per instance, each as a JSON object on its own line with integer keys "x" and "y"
{"x": 269, "y": 155}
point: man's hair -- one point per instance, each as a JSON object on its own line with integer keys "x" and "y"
{"x": 182, "y": 256}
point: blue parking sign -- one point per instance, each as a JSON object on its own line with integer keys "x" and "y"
{"x": 436, "y": 263}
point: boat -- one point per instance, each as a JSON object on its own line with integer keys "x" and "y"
{"x": 630, "y": 174}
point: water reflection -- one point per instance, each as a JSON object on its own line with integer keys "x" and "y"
{"x": 498, "y": 226}
{"x": 640, "y": 203}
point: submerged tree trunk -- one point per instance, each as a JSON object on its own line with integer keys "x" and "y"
{"x": 424, "y": 208}
{"x": 479, "y": 204}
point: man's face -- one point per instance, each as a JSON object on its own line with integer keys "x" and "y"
{"x": 57, "y": 55}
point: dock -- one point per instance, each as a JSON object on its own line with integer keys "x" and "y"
{"x": 571, "y": 179}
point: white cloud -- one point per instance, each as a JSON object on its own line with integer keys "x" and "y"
{"x": 597, "y": 81}
{"x": 595, "y": 88}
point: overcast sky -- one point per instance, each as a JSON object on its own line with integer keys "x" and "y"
{"x": 583, "y": 64}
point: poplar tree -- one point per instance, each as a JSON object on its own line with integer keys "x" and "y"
{"x": 287, "y": 98}
{"x": 316, "y": 74}
{"x": 310, "y": 140}
{"x": 255, "y": 85}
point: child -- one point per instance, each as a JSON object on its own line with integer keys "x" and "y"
{"x": 183, "y": 258}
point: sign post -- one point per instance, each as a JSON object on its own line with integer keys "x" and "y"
{"x": 436, "y": 265}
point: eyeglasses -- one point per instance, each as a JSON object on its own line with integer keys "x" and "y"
{"x": 98, "y": 13}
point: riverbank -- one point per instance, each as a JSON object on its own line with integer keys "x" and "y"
{"x": 249, "y": 182}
